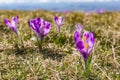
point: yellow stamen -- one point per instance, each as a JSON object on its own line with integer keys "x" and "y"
{"x": 86, "y": 46}
{"x": 85, "y": 43}
{"x": 84, "y": 38}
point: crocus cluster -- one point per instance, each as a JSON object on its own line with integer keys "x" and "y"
{"x": 41, "y": 28}
{"x": 59, "y": 21}
{"x": 85, "y": 43}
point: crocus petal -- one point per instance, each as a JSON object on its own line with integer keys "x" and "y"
{"x": 37, "y": 20}
{"x": 79, "y": 29}
{"x": 81, "y": 49}
{"x": 86, "y": 33}
{"x": 76, "y": 37}
{"x": 80, "y": 45}
{"x": 47, "y": 28}
{"x": 35, "y": 25}
{"x": 85, "y": 39}
{"x": 14, "y": 21}
{"x": 38, "y": 25}
{"x": 77, "y": 34}
{"x": 91, "y": 41}
{"x": 56, "y": 18}
{"x": 31, "y": 24}
{"x": 7, "y": 22}
{"x": 60, "y": 21}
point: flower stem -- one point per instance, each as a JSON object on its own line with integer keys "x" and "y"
{"x": 58, "y": 31}
{"x": 88, "y": 66}
{"x": 21, "y": 41}
{"x": 39, "y": 40}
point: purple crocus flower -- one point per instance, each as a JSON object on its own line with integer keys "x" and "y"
{"x": 59, "y": 21}
{"x": 12, "y": 24}
{"x": 100, "y": 11}
{"x": 88, "y": 12}
{"x": 40, "y": 27}
{"x": 85, "y": 44}
{"x": 65, "y": 11}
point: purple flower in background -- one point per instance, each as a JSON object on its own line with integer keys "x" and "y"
{"x": 40, "y": 27}
{"x": 85, "y": 44}
{"x": 65, "y": 11}
{"x": 59, "y": 21}
{"x": 88, "y": 12}
{"x": 99, "y": 11}
{"x": 12, "y": 24}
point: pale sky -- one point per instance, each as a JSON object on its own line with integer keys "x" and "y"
{"x": 46, "y": 1}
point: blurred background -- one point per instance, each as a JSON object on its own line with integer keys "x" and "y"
{"x": 60, "y": 5}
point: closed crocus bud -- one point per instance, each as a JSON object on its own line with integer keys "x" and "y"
{"x": 12, "y": 24}
{"x": 59, "y": 21}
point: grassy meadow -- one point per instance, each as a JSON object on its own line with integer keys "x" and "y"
{"x": 60, "y": 59}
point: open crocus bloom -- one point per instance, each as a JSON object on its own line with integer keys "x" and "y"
{"x": 12, "y": 24}
{"x": 59, "y": 21}
{"x": 40, "y": 27}
{"x": 85, "y": 44}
